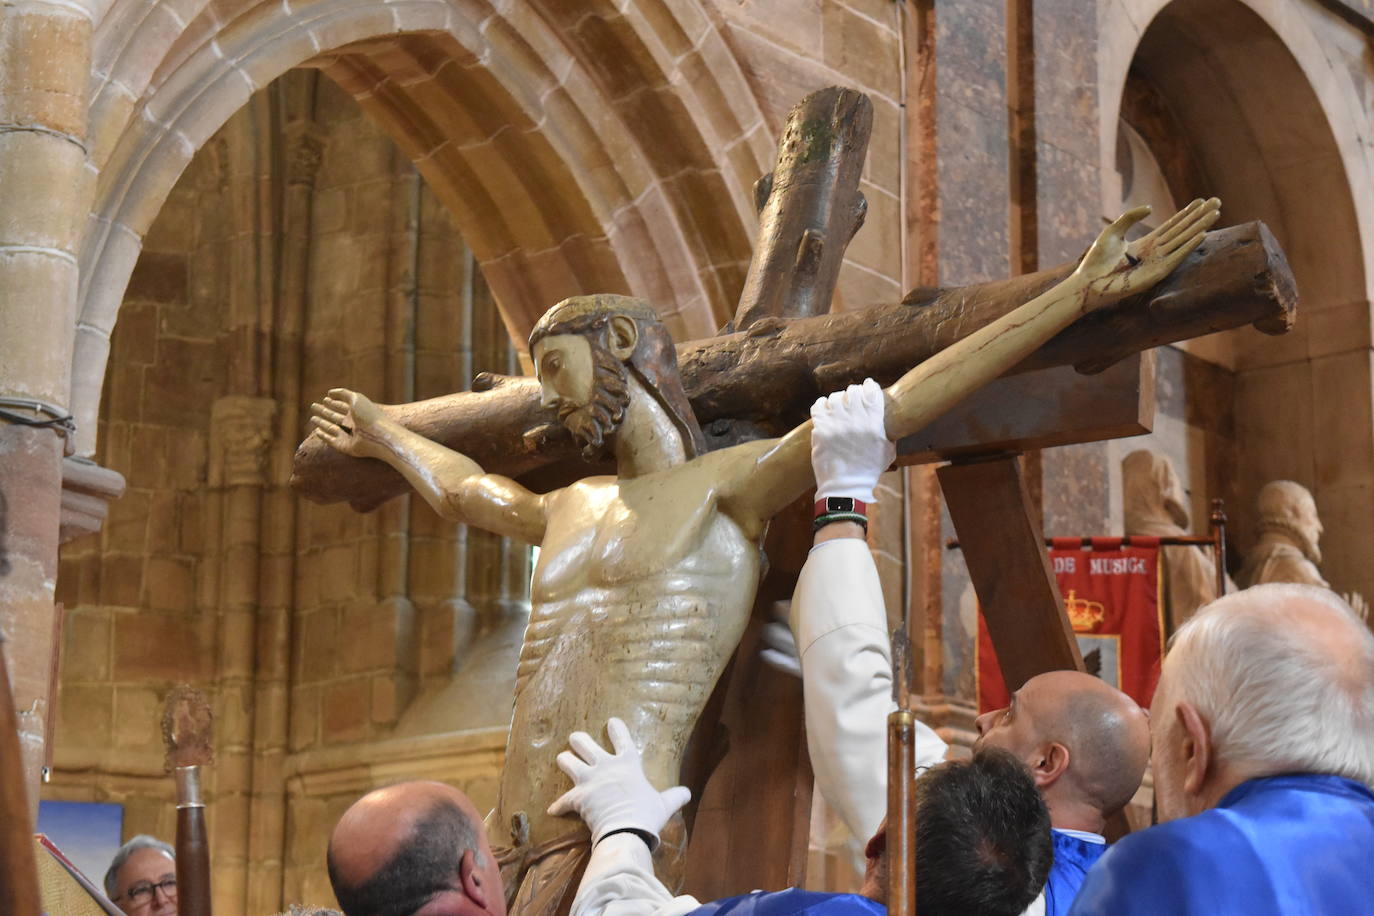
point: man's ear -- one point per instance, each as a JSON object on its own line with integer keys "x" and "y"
{"x": 1197, "y": 747}
{"x": 623, "y": 336}
{"x": 1050, "y": 762}
{"x": 474, "y": 885}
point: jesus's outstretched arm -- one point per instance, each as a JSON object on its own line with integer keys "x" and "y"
{"x": 451, "y": 482}
{"x": 774, "y": 472}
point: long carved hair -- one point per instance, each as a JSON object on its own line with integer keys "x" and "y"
{"x": 653, "y": 361}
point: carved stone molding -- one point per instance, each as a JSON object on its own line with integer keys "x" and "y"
{"x": 87, "y": 491}
{"x": 457, "y": 757}
{"x": 304, "y": 152}
{"x": 240, "y": 435}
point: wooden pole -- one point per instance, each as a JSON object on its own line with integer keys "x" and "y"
{"x": 1217, "y": 523}
{"x": 187, "y": 732}
{"x": 193, "y": 846}
{"x": 901, "y": 773}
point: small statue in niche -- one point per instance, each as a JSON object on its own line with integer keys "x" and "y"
{"x": 1289, "y": 546}
{"x": 1154, "y": 505}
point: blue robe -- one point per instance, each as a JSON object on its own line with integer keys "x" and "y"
{"x": 1072, "y": 859}
{"x": 792, "y": 900}
{"x": 1296, "y": 845}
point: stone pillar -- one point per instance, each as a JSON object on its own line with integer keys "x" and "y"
{"x": 240, "y": 436}
{"x": 44, "y": 189}
{"x": 277, "y": 596}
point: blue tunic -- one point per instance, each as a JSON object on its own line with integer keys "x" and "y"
{"x": 1296, "y": 845}
{"x": 792, "y": 900}
{"x": 1072, "y": 859}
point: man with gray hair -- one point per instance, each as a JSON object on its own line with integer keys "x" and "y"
{"x": 1263, "y": 731}
{"x": 142, "y": 878}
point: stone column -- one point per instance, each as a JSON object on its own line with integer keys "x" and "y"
{"x": 240, "y": 436}
{"x": 44, "y": 190}
{"x": 277, "y": 597}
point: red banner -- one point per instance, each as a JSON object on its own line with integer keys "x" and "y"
{"x": 1112, "y": 599}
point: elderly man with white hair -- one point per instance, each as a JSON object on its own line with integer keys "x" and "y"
{"x": 1263, "y": 753}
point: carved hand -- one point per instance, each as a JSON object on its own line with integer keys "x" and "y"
{"x": 349, "y": 422}
{"x": 1114, "y": 269}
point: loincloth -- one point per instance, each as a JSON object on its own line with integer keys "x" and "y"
{"x": 541, "y": 879}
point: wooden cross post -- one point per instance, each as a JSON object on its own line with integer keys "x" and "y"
{"x": 758, "y": 378}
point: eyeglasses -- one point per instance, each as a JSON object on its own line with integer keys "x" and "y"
{"x": 141, "y": 894}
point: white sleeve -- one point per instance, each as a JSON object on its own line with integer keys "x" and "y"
{"x": 620, "y": 881}
{"x": 846, "y": 657}
{"x": 1037, "y": 906}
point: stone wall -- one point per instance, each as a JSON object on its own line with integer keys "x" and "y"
{"x": 213, "y": 573}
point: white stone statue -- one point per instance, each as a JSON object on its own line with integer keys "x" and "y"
{"x": 1289, "y": 547}
{"x": 1154, "y": 505}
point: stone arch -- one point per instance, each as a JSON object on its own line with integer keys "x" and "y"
{"x": 1271, "y": 85}
{"x": 554, "y": 137}
{"x": 1274, "y": 126}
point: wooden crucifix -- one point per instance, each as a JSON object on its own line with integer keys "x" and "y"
{"x": 750, "y": 384}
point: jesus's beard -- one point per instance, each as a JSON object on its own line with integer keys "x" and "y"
{"x": 593, "y": 424}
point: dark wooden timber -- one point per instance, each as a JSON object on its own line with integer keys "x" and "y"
{"x": 1041, "y": 409}
{"x": 752, "y": 820}
{"x": 809, "y": 208}
{"x": 761, "y": 381}
{"x": 1009, "y": 568}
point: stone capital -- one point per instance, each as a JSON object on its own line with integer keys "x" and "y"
{"x": 240, "y": 435}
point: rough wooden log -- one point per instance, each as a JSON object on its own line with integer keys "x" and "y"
{"x": 809, "y": 208}
{"x": 761, "y": 381}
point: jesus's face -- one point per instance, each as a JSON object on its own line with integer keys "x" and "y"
{"x": 586, "y": 384}
{"x": 563, "y": 363}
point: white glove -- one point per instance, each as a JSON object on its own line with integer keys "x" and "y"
{"x": 779, "y": 645}
{"x": 610, "y": 791}
{"x": 849, "y": 444}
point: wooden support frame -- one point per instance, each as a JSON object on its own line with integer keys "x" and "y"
{"x": 1041, "y": 409}
{"x": 1009, "y": 567}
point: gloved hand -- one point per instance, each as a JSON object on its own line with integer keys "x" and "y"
{"x": 849, "y": 445}
{"x": 779, "y": 645}
{"x": 610, "y": 791}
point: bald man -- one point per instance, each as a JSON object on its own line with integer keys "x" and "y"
{"x": 1263, "y": 751}
{"x": 414, "y": 849}
{"x": 1085, "y": 742}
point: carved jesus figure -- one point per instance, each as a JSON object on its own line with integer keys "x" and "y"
{"x": 645, "y": 580}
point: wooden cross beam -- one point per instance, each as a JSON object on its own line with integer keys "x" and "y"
{"x": 760, "y": 381}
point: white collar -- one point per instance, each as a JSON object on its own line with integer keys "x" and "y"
{"x": 1085, "y": 836}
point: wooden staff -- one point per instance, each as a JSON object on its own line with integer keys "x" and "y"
{"x": 901, "y": 771}
{"x": 18, "y": 868}
{"x": 186, "y": 731}
{"x": 1218, "y": 539}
